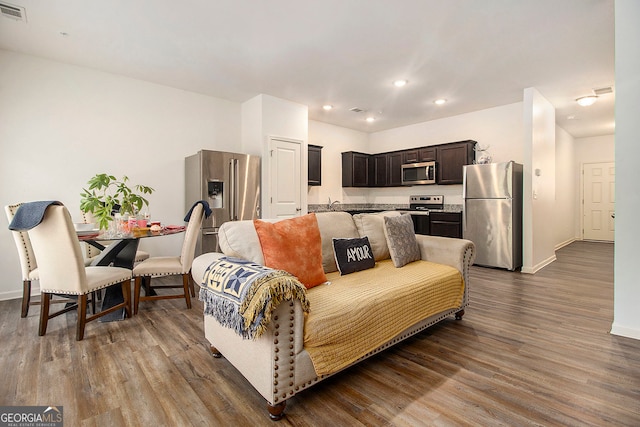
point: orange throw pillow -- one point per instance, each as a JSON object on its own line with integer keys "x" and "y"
{"x": 293, "y": 245}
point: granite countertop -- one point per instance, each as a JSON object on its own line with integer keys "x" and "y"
{"x": 371, "y": 207}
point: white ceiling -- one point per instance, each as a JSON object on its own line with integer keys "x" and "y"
{"x": 475, "y": 53}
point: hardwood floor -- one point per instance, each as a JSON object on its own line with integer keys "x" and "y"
{"x": 531, "y": 350}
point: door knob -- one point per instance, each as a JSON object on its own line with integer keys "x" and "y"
{"x": 613, "y": 215}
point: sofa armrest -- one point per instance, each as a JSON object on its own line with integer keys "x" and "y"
{"x": 458, "y": 253}
{"x": 203, "y": 261}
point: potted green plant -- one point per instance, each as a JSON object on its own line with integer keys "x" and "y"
{"x": 106, "y": 194}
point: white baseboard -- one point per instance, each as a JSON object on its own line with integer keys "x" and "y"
{"x": 625, "y": 332}
{"x": 539, "y": 266}
{"x": 565, "y": 243}
{"x": 35, "y": 291}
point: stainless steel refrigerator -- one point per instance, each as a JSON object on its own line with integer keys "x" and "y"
{"x": 230, "y": 182}
{"x": 492, "y": 213}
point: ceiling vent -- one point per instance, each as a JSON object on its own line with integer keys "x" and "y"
{"x": 13, "y": 12}
{"x": 603, "y": 91}
{"x": 356, "y": 110}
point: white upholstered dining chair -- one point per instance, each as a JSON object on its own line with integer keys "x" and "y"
{"x": 168, "y": 266}
{"x": 62, "y": 271}
{"x": 28, "y": 265}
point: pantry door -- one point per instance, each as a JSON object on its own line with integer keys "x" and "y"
{"x": 285, "y": 175}
{"x": 599, "y": 201}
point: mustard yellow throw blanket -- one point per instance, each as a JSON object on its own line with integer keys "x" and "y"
{"x": 242, "y": 295}
{"x": 359, "y": 312}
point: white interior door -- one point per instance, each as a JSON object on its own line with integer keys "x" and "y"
{"x": 599, "y": 201}
{"x": 285, "y": 167}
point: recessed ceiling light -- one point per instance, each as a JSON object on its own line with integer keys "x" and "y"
{"x": 400, "y": 83}
{"x": 370, "y": 119}
{"x": 327, "y": 107}
{"x": 585, "y": 101}
{"x": 440, "y": 101}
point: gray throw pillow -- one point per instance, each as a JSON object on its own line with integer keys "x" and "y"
{"x": 401, "y": 239}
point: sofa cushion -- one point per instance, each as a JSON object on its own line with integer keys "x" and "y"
{"x": 353, "y": 254}
{"x": 401, "y": 238}
{"x": 372, "y": 226}
{"x": 293, "y": 245}
{"x": 239, "y": 239}
{"x": 334, "y": 225}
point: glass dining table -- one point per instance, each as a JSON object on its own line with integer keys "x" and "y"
{"x": 120, "y": 251}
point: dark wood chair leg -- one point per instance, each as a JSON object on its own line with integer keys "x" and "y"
{"x": 459, "y": 315}
{"x": 137, "y": 282}
{"x": 126, "y": 294}
{"x": 192, "y": 286}
{"x": 82, "y": 317}
{"x": 215, "y": 353}
{"x": 276, "y": 412}
{"x": 44, "y": 313}
{"x": 93, "y": 302}
{"x": 147, "y": 285}
{"x": 26, "y": 297}
{"x": 187, "y": 291}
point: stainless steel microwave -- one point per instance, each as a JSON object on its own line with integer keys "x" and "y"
{"x": 419, "y": 173}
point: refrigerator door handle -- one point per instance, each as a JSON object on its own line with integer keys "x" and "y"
{"x": 233, "y": 171}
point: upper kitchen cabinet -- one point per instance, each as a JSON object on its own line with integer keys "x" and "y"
{"x": 357, "y": 169}
{"x": 418, "y": 155}
{"x": 451, "y": 158}
{"x": 394, "y": 169}
{"x": 387, "y": 169}
{"x": 315, "y": 164}
{"x": 379, "y": 170}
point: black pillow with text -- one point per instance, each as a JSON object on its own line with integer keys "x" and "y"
{"x": 353, "y": 254}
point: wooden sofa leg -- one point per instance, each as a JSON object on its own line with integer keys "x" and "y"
{"x": 215, "y": 353}
{"x": 459, "y": 315}
{"x": 276, "y": 412}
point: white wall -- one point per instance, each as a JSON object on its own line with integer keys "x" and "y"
{"x": 539, "y": 181}
{"x": 334, "y": 140}
{"x": 61, "y": 124}
{"x": 265, "y": 117}
{"x": 566, "y": 220}
{"x": 595, "y": 149}
{"x": 626, "y": 290}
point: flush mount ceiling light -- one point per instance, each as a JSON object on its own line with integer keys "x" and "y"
{"x": 370, "y": 119}
{"x": 585, "y": 101}
{"x": 400, "y": 83}
{"x": 327, "y": 107}
{"x": 440, "y": 101}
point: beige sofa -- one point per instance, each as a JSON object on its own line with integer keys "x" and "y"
{"x": 277, "y": 363}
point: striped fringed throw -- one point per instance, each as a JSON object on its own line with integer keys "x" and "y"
{"x": 242, "y": 295}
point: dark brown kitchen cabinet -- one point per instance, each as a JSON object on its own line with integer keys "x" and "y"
{"x": 417, "y": 155}
{"x": 387, "y": 169}
{"x": 394, "y": 169}
{"x": 379, "y": 170}
{"x": 357, "y": 169}
{"x": 445, "y": 224}
{"x": 315, "y": 164}
{"x": 451, "y": 157}
{"x": 421, "y": 223}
